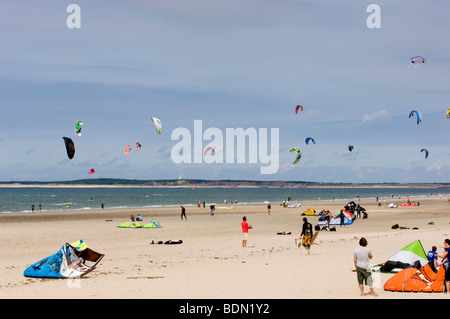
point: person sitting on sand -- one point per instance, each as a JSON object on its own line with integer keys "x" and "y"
{"x": 132, "y": 219}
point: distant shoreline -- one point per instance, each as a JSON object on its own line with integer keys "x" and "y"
{"x": 124, "y": 183}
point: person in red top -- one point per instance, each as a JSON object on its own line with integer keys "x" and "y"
{"x": 245, "y": 228}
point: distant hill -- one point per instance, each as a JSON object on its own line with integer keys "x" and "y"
{"x": 208, "y": 183}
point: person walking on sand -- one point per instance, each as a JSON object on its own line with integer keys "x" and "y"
{"x": 245, "y": 228}
{"x": 306, "y": 235}
{"x": 269, "y": 207}
{"x": 361, "y": 258}
{"x": 183, "y": 213}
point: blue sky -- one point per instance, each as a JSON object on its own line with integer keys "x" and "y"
{"x": 231, "y": 64}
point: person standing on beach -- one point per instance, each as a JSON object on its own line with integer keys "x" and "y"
{"x": 342, "y": 217}
{"x": 361, "y": 258}
{"x": 245, "y": 228}
{"x": 445, "y": 262}
{"x": 269, "y": 207}
{"x": 306, "y": 235}
{"x": 432, "y": 256}
{"x": 183, "y": 213}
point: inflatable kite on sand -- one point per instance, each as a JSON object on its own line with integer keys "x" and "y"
{"x": 71, "y": 261}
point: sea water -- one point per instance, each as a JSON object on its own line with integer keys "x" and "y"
{"x": 14, "y": 200}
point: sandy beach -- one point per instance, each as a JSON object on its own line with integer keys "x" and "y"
{"x": 210, "y": 263}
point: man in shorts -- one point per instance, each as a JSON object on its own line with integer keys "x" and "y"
{"x": 445, "y": 263}
{"x": 306, "y": 235}
{"x": 361, "y": 257}
{"x": 245, "y": 228}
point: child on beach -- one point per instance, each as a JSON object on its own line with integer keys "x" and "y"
{"x": 432, "y": 256}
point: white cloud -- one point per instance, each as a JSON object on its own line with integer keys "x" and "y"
{"x": 382, "y": 115}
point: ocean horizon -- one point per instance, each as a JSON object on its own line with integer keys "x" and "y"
{"x": 49, "y": 199}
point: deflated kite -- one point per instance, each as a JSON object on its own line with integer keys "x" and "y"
{"x": 78, "y": 125}
{"x": 309, "y": 139}
{"x": 70, "y": 147}
{"x": 71, "y": 261}
{"x": 418, "y": 115}
{"x": 298, "y": 156}
{"x": 158, "y": 125}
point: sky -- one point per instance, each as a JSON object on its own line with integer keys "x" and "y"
{"x": 229, "y": 64}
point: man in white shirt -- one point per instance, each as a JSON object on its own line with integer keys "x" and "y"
{"x": 361, "y": 257}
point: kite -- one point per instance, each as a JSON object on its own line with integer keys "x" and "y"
{"x": 71, "y": 261}
{"x": 426, "y": 152}
{"x": 138, "y": 146}
{"x": 297, "y": 157}
{"x": 127, "y": 149}
{"x": 308, "y": 139}
{"x": 91, "y": 171}
{"x": 418, "y": 59}
{"x": 418, "y": 115}
{"x": 350, "y": 148}
{"x": 209, "y": 148}
{"x": 70, "y": 147}
{"x": 298, "y": 107}
{"x": 158, "y": 125}
{"x": 195, "y": 184}
{"x": 448, "y": 113}
{"x": 78, "y": 125}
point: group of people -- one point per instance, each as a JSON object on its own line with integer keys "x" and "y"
{"x": 433, "y": 256}
{"x": 136, "y": 219}
{"x": 363, "y": 254}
